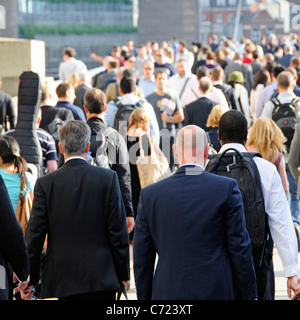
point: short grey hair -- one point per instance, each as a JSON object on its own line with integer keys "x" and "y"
{"x": 74, "y": 137}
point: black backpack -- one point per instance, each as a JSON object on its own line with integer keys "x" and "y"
{"x": 242, "y": 168}
{"x": 99, "y": 150}
{"x": 123, "y": 114}
{"x": 286, "y": 116}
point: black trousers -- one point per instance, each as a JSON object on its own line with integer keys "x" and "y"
{"x": 99, "y": 295}
{"x": 262, "y": 259}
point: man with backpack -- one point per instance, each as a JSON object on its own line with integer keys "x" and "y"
{"x": 284, "y": 110}
{"x": 107, "y": 143}
{"x": 265, "y": 205}
{"x": 119, "y": 110}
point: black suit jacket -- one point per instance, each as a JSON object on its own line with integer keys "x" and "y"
{"x": 198, "y": 111}
{"x": 81, "y": 209}
{"x": 13, "y": 248}
{"x": 50, "y": 113}
{"x": 118, "y": 155}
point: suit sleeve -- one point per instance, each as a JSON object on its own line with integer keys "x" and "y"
{"x": 13, "y": 247}
{"x": 144, "y": 253}
{"x": 122, "y": 168}
{"x": 36, "y": 231}
{"x": 239, "y": 246}
{"x": 117, "y": 231}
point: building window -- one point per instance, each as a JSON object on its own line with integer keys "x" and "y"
{"x": 232, "y": 2}
{"x": 219, "y": 18}
{"x": 255, "y": 34}
{"x": 270, "y": 30}
{"x": 204, "y": 3}
{"x": 221, "y": 3}
{"x": 2, "y": 18}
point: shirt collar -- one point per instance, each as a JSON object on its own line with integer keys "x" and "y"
{"x": 74, "y": 157}
{"x": 237, "y": 146}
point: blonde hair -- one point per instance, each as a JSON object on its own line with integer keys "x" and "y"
{"x": 215, "y": 115}
{"x": 73, "y": 80}
{"x": 267, "y": 137}
{"x": 138, "y": 118}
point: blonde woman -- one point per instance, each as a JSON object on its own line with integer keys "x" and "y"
{"x": 266, "y": 138}
{"x": 213, "y": 125}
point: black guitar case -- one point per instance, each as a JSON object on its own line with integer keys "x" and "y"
{"x": 29, "y": 98}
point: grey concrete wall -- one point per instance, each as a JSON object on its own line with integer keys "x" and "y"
{"x": 161, "y": 20}
{"x": 17, "y": 56}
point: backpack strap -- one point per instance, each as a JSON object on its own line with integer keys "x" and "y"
{"x": 276, "y": 102}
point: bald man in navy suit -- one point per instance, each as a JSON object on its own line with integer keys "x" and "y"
{"x": 194, "y": 221}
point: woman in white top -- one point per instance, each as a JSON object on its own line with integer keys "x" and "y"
{"x": 262, "y": 79}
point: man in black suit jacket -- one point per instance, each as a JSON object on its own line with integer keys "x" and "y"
{"x": 116, "y": 149}
{"x": 198, "y": 111}
{"x": 81, "y": 209}
{"x": 13, "y": 249}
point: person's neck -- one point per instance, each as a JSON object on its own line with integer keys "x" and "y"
{"x": 69, "y": 157}
{"x": 285, "y": 91}
{"x": 8, "y": 167}
{"x": 64, "y": 99}
{"x": 160, "y": 92}
{"x": 95, "y": 115}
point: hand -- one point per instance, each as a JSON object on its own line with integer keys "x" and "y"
{"x": 22, "y": 284}
{"x": 293, "y": 284}
{"x": 27, "y": 293}
{"x": 126, "y": 285}
{"x": 165, "y": 117}
{"x": 130, "y": 224}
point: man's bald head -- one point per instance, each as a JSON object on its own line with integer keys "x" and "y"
{"x": 191, "y": 145}
{"x": 205, "y": 85}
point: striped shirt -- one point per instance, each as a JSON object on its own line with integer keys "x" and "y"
{"x": 47, "y": 145}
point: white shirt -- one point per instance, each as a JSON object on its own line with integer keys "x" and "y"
{"x": 177, "y": 83}
{"x": 187, "y": 56}
{"x": 285, "y": 97}
{"x": 70, "y": 66}
{"x": 278, "y": 211}
{"x": 215, "y": 95}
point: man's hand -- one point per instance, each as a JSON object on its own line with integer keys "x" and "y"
{"x": 130, "y": 224}
{"x": 126, "y": 285}
{"x": 27, "y": 293}
{"x": 22, "y": 284}
{"x": 293, "y": 285}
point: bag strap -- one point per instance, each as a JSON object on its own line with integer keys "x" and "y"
{"x": 23, "y": 182}
{"x": 142, "y": 153}
{"x": 184, "y": 85}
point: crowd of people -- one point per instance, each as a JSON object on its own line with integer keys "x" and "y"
{"x": 186, "y": 236}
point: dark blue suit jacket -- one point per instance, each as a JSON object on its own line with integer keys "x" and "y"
{"x": 195, "y": 223}
{"x": 77, "y": 112}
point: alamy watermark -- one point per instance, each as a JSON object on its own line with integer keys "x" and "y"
{"x": 296, "y": 19}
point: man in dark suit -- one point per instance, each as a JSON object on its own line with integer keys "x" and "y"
{"x": 81, "y": 209}
{"x": 116, "y": 149}
{"x": 66, "y": 96}
{"x": 13, "y": 249}
{"x": 198, "y": 111}
{"x": 195, "y": 222}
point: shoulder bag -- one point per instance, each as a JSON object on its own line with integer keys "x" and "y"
{"x": 151, "y": 168}
{"x": 24, "y": 204}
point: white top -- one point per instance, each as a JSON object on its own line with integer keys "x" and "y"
{"x": 70, "y": 66}
{"x": 177, "y": 83}
{"x": 283, "y": 98}
{"x": 194, "y": 94}
{"x": 278, "y": 211}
